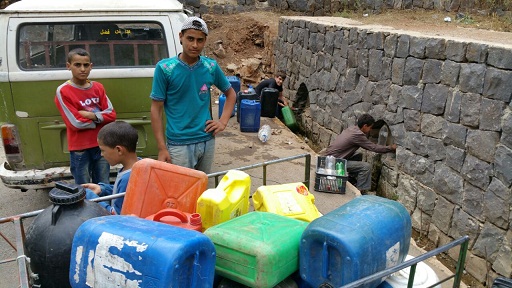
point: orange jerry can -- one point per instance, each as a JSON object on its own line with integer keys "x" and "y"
{"x": 178, "y": 218}
{"x": 156, "y": 185}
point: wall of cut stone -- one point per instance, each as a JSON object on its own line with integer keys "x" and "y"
{"x": 330, "y": 7}
{"x": 447, "y": 104}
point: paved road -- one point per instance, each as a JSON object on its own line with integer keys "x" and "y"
{"x": 13, "y": 202}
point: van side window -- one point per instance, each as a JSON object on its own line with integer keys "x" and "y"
{"x": 43, "y": 46}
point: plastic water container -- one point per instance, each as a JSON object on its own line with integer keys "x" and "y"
{"x": 235, "y": 83}
{"x": 178, "y": 218}
{"x": 289, "y": 119}
{"x": 156, "y": 185}
{"x": 250, "y": 115}
{"x": 127, "y": 251}
{"x": 258, "y": 249}
{"x": 269, "y": 97}
{"x": 228, "y": 200}
{"x": 362, "y": 237}
{"x": 291, "y": 200}
{"x": 49, "y": 237}
{"x": 222, "y": 101}
{"x": 241, "y": 96}
{"x": 424, "y": 277}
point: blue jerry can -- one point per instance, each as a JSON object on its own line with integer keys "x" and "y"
{"x": 362, "y": 237}
{"x": 126, "y": 251}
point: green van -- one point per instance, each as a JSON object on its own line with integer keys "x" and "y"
{"x": 125, "y": 38}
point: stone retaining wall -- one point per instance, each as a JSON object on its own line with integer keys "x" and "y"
{"x": 330, "y": 7}
{"x": 447, "y": 104}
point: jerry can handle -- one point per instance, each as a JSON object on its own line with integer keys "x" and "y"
{"x": 170, "y": 212}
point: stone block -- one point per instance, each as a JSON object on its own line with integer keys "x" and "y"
{"x": 450, "y": 73}
{"x": 394, "y": 118}
{"x": 387, "y": 64}
{"x": 362, "y": 62}
{"x": 416, "y": 143}
{"x": 498, "y": 84}
{"x": 417, "y": 47}
{"x": 482, "y": 144}
{"x": 362, "y": 39}
{"x": 390, "y": 175}
{"x": 390, "y": 45}
{"x": 454, "y": 157}
{"x": 432, "y": 126}
{"x": 477, "y": 267}
{"x": 412, "y": 71}
{"x": 448, "y": 183}
{"x": 470, "y": 109}
{"x": 411, "y": 97}
{"x": 394, "y": 95}
{"x": 407, "y": 191}
{"x": 490, "y": 118}
{"x": 375, "y": 40}
{"x": 375, "y": 65}
{"x": 434, "y": 99}
{"x": 476, "y": 52}
{"x": 402, "y": 49}
{"x": 352, "y": 54}
{"x": 420, "y": 220}
{"x": 412, "y": 120}
{"x": 452, "y": 108}
{"x": 488, "y": 242}
{"x": 432, "y": 71}
{"x": 496, "y": 203}
{"x": 455, "y": 50}
{"x": 502, "y": 164}
{"x": 436, "y": 150}
{"x": 329, "y": 42}
{"x": 435, "y": 48}
{"x": 399, "y": 135}
{"x": 471, "y": 78}
{"x": 506, "y": 135}
{"x": 443, "y": 213}
{"x": 476, "y": 171}
{"x": 397, "y": 71}
{"x": 500, "y": 57}
{"x": 473, "y": 200}
{"x": 426, "y": 200}
{"x": 503, "y": 263}
{"x": 463, "y": 224}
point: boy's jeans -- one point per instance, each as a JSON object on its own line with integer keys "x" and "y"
{"x": 197, "y": 156}
{"x": 88, "y": 166}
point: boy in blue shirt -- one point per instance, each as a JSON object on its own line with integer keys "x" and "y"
{"x": 117, "y": 142}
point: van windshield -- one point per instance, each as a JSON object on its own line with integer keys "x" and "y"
{"x": 43, "y": 46}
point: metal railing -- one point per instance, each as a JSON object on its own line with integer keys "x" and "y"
{"x": 457, "y": 276}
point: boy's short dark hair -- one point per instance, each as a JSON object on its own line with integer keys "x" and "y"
{"x": 365, "y": 119}
{"x": 281, "y": 74}
{"x": 78, "y": 51}
{"x": 119, "y": 133}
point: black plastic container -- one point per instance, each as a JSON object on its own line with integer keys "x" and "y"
{"x": 50, "y": 237}
{"x": 269, "y": 97}
{"x": 241, "y": 96}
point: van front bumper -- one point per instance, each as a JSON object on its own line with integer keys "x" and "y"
{"x": 40, "y": 179}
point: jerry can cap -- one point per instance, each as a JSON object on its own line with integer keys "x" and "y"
{"x": 67, "y": 193}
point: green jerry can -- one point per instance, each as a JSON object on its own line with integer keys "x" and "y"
{"x": 289, "y": 119}
{"x": 257, "y": 249}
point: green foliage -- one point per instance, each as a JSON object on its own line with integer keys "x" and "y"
{"x": 466, "y": 19}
